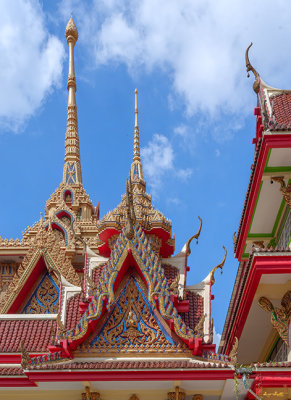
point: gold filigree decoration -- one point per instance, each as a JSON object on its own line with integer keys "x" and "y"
{"x": 112, "y": 241}
{"x": 197, "y": 397}
{"x": 132, "y": 328}
{"x": 175, "y": 285}
{"x": 47, "y": 246}
{"x": 44, "y": 301}
{"x": 178, "y": 394}
{"x": 88, "y": 395}
{"x": 279, "y": 316}
{"x": 25, "y": 359}
{"x": 212, "y": 280}
{"x": 199, "y": 328}
{"x": 285, "y": 189}
{"x": 71, "y": 29}
{"x": 130, "y": 215}
{"x": 249, "y": 67}
{"x": 61, "y": 327}
{"x": 234, "y": 351}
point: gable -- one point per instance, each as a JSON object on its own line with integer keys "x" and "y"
{"x": 133, "y": 326}
{"x": 45, "y": 297}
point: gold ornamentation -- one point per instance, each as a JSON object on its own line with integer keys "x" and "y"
{"x": 88, "y": 395}
{"x": 280, "y": 317}
{"x": 177, "y": 394}
{"x": 130, "y": 215}
{"x": 199, "y": 328}
{"x": 71, "y": 30}
{"x": 175, "y": 285}
{"x": 25, "y": 359}
{"x": 234, "y": 238}
{"x": 61, "y": 327}
{"x": 196, "y": 236}
{"x": 132, "y": 328}
{"x": 212, "y": 280}
{"x": 285, "y": 189}
{"x": 249, "y": 67}
{"x": 197, "y": 397}
{"x": 234, "y": 351}
{"x": 44, "y": 301}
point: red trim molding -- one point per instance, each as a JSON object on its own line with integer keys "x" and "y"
{"x": 269, "y": 142}
{"x": 261, "y": 264}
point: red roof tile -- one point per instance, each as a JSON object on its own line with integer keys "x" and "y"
{"x": 35, "y": 334}
{"x": 196, "y": 310}
{"x": 72, "y": 312}
{"x": 128, "y": 364}
{"x": 96, "y": 273}
{"x": 170, "y": 273}
{"x": 11, "y": 371}
{"x": 281, "y": 105}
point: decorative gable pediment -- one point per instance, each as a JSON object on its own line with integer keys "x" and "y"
{"x": 44, "y": 299}
{"x": 132, "y": 326}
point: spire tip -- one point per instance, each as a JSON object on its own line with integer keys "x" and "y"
{"x": 71, "y": 30}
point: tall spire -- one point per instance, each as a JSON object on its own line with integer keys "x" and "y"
{"x": 136, "y": 150}
{"x": 72, "y": 169}
{"x": 136, "y": 172}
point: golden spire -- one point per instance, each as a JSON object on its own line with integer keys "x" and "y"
{"x": 136, "y": 173}
{"x": 136, "y": 150}
{"x": 72, "y": 169}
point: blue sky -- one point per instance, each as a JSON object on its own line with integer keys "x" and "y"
{"x": 195, "y": 110}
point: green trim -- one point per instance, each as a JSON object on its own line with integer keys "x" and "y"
{"x": 277, "y": 169}
{"x": 259, "y": 235}
{"x": 257, "y": 199}
{"x": 245, "y": 255}
{"x": 271, "y": 234}
{"x": 272, "y": 348}
{"x": 281, "y": 208}
{"x": 268, "y": 158}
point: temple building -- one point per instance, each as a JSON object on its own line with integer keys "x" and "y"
{"x": 101, "y": 308}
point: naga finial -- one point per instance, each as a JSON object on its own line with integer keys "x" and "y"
{"x": 249, "y": 68}
{"x": 196, "y": 236}
{"x": 212, "y": 280}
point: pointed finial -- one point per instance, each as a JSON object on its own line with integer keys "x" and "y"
{"x": 136, "y": 173}
{"x": 71, "y": 30}
{"x": 72, "y": 169}
{"x": 136, "y": 110}
{"x": 136, "y": 149}
{"x": 249, "y": 67}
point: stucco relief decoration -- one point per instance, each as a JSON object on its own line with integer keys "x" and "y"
{"x": 279, "y": 316}
{"x": 132, "y": 327}
{"x": 44, "y": 300}
{"x": 178, "y": 394}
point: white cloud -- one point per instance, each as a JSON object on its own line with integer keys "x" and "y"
{"x": 184, "y": 174}
{"x": 158, "y": 159}
{"x": 199, "y": 43}
{"x": 30, "y": 63}
{"x": 216, "y": 338}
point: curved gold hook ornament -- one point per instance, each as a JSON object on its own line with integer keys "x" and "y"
{"x": 212, "y": 280}
{"x": 249, "y": 68}
{"x": 196, "y": 236}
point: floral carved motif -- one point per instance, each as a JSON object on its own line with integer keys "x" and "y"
{"x": 132, "y": 327}
{"x": 44, "y": 300}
